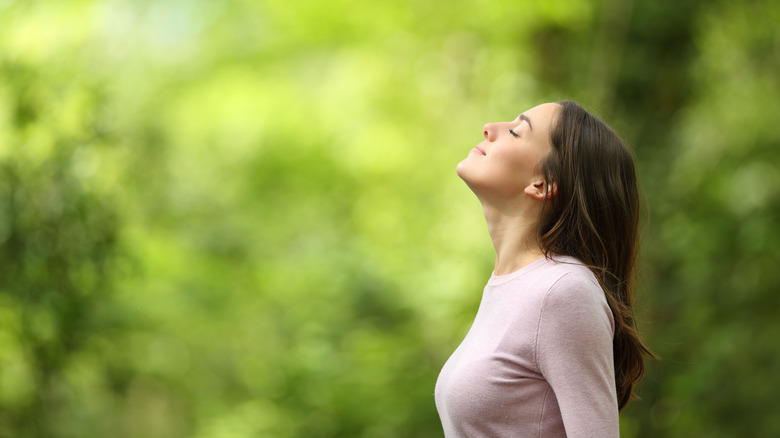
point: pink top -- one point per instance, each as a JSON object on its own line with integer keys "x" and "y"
{"x": 537, "y": 361}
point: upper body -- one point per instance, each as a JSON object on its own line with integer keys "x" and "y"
{"x": 553, "y": 350}
{"x": 537, "y": 361}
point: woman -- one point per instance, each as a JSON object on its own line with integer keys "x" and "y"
{"x": 553, "y": 350}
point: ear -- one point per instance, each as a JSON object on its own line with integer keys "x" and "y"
{"x": 540, "y": 190}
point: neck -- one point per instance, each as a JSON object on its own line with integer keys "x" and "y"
{"x": 514, "y": 238}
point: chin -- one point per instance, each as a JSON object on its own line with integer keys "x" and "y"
{"x": 462, "y": 170}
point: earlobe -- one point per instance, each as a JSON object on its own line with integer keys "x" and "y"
{"x": 539, "y": 190}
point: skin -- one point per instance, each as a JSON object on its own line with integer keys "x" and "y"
{"x": 503, "y": 172}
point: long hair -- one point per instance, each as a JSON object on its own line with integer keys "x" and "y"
{"x": 594, "y": 216}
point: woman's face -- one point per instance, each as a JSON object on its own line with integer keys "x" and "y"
{"x": 507, "y": 161}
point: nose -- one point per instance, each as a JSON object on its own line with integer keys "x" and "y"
{"x": 487, "y": 131}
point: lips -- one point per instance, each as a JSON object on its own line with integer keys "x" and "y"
{"x": 481, "y": 151}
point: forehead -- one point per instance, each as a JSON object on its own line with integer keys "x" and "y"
{"x": 543, "y": 116}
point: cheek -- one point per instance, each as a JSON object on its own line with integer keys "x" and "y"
{"x": 527, "y": 163}
{"x": 520, "y": 164}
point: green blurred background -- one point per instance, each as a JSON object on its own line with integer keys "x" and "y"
{"x": 241, "y": 218}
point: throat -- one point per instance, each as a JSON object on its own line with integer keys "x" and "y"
{"x": 508, "y": 264}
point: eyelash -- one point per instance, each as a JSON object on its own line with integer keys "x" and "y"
{"x": 513, "y": 133}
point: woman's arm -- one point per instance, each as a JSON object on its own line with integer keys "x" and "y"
{"x": 574, "y": 354}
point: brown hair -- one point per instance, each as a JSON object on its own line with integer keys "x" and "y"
{"x": 594, "y": 216}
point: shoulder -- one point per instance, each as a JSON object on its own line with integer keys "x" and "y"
{"x": 575, "y": 295}
{"x": 568, "y": 277}
{"x": 574, "y": 317}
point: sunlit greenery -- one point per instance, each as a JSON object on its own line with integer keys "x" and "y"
{"x": 241, "y": 218}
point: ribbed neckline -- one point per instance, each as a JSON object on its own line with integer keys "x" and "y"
{"x": 496, "y": 280}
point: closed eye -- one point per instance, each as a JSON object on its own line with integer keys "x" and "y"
{"x": 513, "y": 133}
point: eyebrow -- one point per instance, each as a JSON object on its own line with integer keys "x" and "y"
{"x": 524, "y": 117}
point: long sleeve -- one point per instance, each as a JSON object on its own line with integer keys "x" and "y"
{"x": 574, "y": 354}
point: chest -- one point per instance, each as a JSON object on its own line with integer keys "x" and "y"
{"x": 493, "y": 373}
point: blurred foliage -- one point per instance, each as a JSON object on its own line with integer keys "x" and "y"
{"x": 241, "y": 218}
